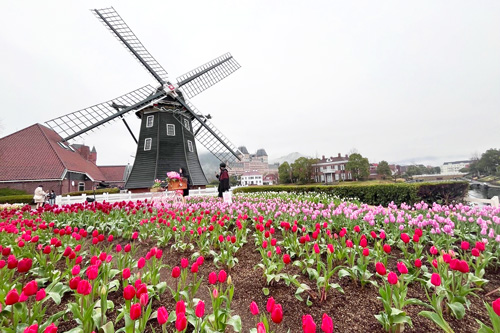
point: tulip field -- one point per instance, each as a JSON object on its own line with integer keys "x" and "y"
{"x": 267, "y": 262}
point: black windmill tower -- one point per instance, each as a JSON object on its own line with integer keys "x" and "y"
{"x": 169, "y": 122}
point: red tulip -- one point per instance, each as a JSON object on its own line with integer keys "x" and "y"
{"x": 402, "y": 268}
{"x": 463, "y": 266}
{"x": 392, "y": 278}
{"x": 200, "y": 309}
{"x": 418, "y": 232}
{"x": 12, "y": 297}
{"x": 277, "y": 314}
{"x": 40, "y": 295}
{"x": 480, "y": 246}
{"x": 330, "y": 248}
{"x": 254, "y": 309}
{"x": 30, "y": 288}
{"x": 126, "y": 273}
{"x": 454, "y": 264}
{"x": 52, "y": 328}
{"x": 135, "y": 311}
{"x": 348, "y": 243}
{"x": 222, "y": 276}
{"x": 129, "y": 292}
{"x": 475, "y": 252}
{"x": 435, "y": 263}
{"x": 200, "y": 260}
{"x": 127, "y": 248}
{"x": 446, "y": 258}
{"x": 84, "y": 287}
{"x": 176, "y": 272}
{"x": 261, "y": 328}
{"x": 31, "y": 329}
{"x": 184, "y": 262}
{"x": 436, "y": 279}
{"x": 327, "y": 324}
{"x": 418, "y": 263}
{"x": 118, "y": 248}
{"x": 387, "y": 248}
{"x": 23, "y": 298}
{"x": 496, "y": 306}
{"x": 73, "y": 283}
{"x": 356, "y": 228}
{"x": 75, "y": 270}
{"x": 47, "y": 249}
{"x": 308, "y": 325}
{"x": 212, "y": 278}
{"x": 12, "y": 262}
{"x": 92, "y": 272}
{"x": 141, "y": 263}
{"x": 363, "y": 242}
{"x": 366, "y": 252}
{"x": 162, "y": 315}
{"x": 181, "y": 322}
{"x": 464, "y": 245}
{"x": 433, "y": 250}
{"x": 380, "y": 268}
{"x": 144, "y": 299}
{"x": 194, "y": 267}
{"x": 180, "y": 307}
{"x": 405, "y": 238}
{"x": 286, "y": 259}
{"x": 270, "y": 304}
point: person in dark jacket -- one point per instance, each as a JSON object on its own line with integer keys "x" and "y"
{"x": 223, "y": 177}
{"x": 185, "y": 192}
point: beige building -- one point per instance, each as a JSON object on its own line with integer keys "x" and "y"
{"x": 257, "y": 162}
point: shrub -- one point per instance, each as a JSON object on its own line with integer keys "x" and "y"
{"x": 11, "y": 191}
{"x": 12, "y": 199}
{"x": 379, "y": 194}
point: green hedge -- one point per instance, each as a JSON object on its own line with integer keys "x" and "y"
{"x": 28, "y": 198}
{"x": 11, "y": 191}
{"x": 379, "y": 194}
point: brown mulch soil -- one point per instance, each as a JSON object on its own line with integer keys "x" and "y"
{"x": 352, "y": 311}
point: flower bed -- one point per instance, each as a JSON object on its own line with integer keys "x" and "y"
{"x": 273, "y": 262}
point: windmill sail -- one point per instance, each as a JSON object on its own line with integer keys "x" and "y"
{"x": 112, "y": 20}
{"x": 212, "y": 139}
{"x": 205, "y": 76}
{"x": 82, "y": 121}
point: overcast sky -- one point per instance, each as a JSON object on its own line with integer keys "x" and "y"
{"x": 402, "y": 81}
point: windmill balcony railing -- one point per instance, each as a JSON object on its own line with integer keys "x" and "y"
{"x": 127, "y": 196}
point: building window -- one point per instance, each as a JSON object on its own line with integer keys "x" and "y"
{"x": 149, "y": 121}
{"x": 81, "y": 186}
{"x": 186, "y": 124}
{"x": 190, "y": 146}
{"x": 170, "y": 129}
{"x": 147, "y": 144}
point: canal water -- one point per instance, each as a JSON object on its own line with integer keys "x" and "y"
{"x": 484, "y": 192}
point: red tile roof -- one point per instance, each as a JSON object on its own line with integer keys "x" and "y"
{"x": 33, "y": 153}
{"x": 113, "y": 173}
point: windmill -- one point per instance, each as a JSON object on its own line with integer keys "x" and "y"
{"x": 170, "y": 123}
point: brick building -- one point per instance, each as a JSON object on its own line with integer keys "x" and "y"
{"x": 35, "y": 155}
{"x": 332, "y": 169}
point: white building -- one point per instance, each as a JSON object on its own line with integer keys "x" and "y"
{"x": 454, "y": 167}
{"x": 251, "y": 178}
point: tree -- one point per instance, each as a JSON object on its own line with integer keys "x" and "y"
{"x": 359, "y": 166}
{"x": 284, "y": 173}
{"x": 302, "y": 170}
{"x": 383, "y": 169}
{"x": 490, "y": 162}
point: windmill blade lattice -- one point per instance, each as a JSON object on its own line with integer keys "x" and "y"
{"x": 205, "y": 76}
{"x": 68, "y": 126}
{"x": 112, "y": 20}
{"x": 215, "y": 144}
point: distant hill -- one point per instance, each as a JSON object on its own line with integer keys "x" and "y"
{"x": 290, "y": 158}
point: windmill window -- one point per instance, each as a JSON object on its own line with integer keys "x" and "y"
{"x": 147, "y": 144}
{"x": 170, "y": 129}
{"x": 186, "y": 124}
{"x": 149, "y": 121}
{"x": 190, "y": 146}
